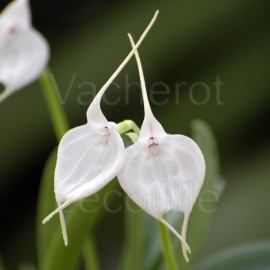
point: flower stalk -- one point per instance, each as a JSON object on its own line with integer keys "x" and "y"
{"x": 167, "y": 247}
{"x": 56, "y": 111}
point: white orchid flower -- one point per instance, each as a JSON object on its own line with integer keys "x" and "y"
{"x": 89, "y": 156}
{"x": 169, "y": 172}
{"x": 24, "y": 52}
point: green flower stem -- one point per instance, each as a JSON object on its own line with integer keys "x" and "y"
{"x": 167, "y": 247}
{"x": 90, "y": 254}
{"x": 128, "y": 125}
{"x": 57, "y": 114}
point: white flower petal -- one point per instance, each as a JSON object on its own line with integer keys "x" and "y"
{"x": 89, "y": 157}
{"x": 169, "y": 174}
{"x": 16, "y": 14}
{"x": 151, "y": 126}
{"x": 24, "y": 52}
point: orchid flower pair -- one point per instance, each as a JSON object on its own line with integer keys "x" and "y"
{"x": 24, "y": 52}
{"x": 169, "y": 168}
{"x": 159, "y": 172}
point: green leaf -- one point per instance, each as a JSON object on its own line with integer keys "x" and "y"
{"x": 133, "y": 250}
{"x": 252, "y": 256}
{"x": 90, "y": 254}
{"x": 46, "y": 202}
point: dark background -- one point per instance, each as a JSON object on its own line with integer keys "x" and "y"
{"x": 193, "y": 41}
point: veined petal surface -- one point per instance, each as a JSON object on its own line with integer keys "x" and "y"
{"x": 89, "y": 157}
{"x": 169, "y": 174}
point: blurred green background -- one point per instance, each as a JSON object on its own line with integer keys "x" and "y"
{"x": 192, "y": 44}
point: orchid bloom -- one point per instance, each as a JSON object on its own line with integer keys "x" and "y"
{"x": 24, "y": 52}
{"x": 169, "y": 172}
{"x": 91, "y": 155}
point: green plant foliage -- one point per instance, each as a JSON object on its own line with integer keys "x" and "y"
{"x": 46, "y": 203}
{"x": 252, "y": 256}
